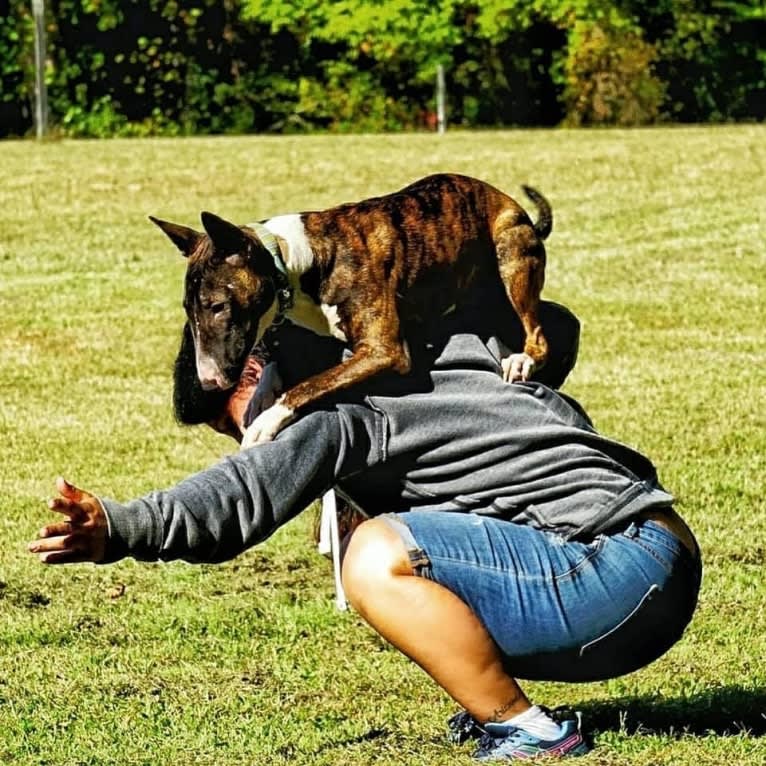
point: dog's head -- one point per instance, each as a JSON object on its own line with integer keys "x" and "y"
{"x": 230, "y": 295}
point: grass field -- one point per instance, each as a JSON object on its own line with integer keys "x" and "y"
{"x": 659, "y": 246}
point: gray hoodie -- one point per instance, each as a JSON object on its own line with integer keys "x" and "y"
{"x": 452, "y": 436}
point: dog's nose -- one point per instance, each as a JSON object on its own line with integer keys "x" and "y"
{"x": 210, "y": 377}
{"x": 210, "y": 384}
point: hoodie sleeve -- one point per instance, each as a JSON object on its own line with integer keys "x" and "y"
{"x": 223, "y": 510}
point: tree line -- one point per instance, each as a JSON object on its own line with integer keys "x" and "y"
{"x": 177, "y": 67}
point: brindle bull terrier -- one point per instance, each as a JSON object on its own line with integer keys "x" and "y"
{"x": 359, "y": 271}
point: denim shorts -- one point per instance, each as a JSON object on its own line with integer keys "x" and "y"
{"x": 560, "y": 610}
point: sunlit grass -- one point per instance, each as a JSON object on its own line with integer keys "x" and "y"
{"x": 658, "y": 245}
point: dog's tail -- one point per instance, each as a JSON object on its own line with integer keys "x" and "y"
{"x": 544, "y": 222}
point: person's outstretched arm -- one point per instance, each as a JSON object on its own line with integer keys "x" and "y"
{"x": 221, "y": 511}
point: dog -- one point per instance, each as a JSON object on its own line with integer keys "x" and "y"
{"x": 362, "y": 272}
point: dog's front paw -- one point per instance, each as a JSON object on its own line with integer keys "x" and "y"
{"x": 518, "y": 367}
{"x": 267, "y": 425}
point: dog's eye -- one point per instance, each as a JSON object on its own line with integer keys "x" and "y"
{"x": 218, "y": 308}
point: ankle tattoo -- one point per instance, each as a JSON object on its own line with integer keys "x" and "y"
{"x": 499, "y": 714}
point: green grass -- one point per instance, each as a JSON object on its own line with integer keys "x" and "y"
{"x": 658, "y": 245}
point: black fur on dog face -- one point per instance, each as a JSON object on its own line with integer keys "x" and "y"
{"x": 191, "y": 404}
{"x": 229, "y": 296}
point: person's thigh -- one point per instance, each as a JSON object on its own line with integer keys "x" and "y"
{"x": 560, "y": 610}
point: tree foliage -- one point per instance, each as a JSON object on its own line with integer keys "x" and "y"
{"x": 133, "y": 67}
{"x": 609, "y": 75}
{"x": 16, "y": 68}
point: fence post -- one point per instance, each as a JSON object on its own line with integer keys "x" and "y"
{"x": 41, "y": 91}
{"x": 441, "y": 112}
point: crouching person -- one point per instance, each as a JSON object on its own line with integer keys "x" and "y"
{"x": 507, "y": 539}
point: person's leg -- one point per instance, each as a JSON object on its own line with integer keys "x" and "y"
{"x": 428, "y": 623}
{"x": 511, "y": 599}
{"x": 557, "y": 609}
{"x": 436, "y": 628}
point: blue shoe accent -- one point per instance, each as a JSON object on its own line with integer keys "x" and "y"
{"x": 503, "y": 742}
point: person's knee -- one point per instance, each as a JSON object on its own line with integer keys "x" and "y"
{"x": 374, "y": 557}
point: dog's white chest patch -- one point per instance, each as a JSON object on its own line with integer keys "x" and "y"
{"x": 299, "y": 258}
{"x": 322, "y": 319}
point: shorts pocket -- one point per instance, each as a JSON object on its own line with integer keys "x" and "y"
{"x": 666, "y": 549}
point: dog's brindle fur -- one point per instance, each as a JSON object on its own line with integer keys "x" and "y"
{"x": 361, "y": 271}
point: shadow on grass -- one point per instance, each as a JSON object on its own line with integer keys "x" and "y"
{"x": 726, "y": 711}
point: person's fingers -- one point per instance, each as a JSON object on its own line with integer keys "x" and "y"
{"x": 68, "y": 556}
{"x": 67, "y": 507}
{"x": 69, "y": 491}
{"x": 66, "y": 547}
{"x": 79, "y": 537}
{"x": 53, "y": 530}
{"x": 60, "y": 545}
{"x": 76, "y": 503}
{"x": 52, "y": 543}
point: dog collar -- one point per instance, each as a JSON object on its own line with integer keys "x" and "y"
{"x": 284, "y": 289}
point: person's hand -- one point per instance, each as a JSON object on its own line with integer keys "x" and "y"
{"x": 269, "y": 387}
{"x": 81, "y": 536}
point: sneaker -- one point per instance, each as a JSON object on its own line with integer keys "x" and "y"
{"x": 503, "y": 742}
{"x": 462, "y": 727}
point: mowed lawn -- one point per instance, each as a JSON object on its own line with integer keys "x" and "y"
{"x": 658, "y": 245}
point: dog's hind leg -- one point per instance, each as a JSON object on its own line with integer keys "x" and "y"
{"x": 521, "y": 262}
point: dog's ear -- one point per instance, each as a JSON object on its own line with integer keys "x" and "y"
{"x": 227, "y": 238}
{"x": 184, "y": 238}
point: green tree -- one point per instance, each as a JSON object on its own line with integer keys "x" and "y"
{"x": 363, "y": 65}
{"x": 609, "y": 75}
{"x": 16, "y": 68}
{"x": 133, "y": 67}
